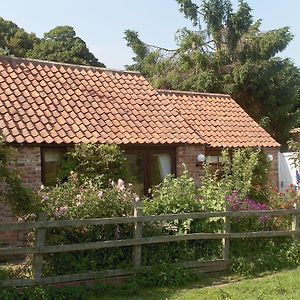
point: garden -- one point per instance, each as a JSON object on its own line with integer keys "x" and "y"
{"x": 93, "y": 188}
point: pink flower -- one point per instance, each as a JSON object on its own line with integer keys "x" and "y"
{"x": 45, "y": 198}
{"x": 63, "y": 210}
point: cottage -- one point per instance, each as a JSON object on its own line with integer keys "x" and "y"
{"x": 47, "y": 107}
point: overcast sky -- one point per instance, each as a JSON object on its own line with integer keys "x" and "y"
{"x": 101, "y": 24}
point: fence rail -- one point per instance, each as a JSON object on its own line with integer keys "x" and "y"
{"x": 40, "y": 249}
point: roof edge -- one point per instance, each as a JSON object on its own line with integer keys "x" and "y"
{"x": 163, "y": 91}
{"x": 59, "y": 64}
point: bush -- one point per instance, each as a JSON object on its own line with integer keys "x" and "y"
{"x": 245, "y": 173}
{"x": 20, "y": 199}
{"x": 94, "y": 160}
{"x": 175, "y": 196}
{"x": 81, "y": 199}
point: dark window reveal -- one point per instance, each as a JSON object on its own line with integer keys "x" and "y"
{"x": 51, "y": 161}
{"x": 149, "y": 166}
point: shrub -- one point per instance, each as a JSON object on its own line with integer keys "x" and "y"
{"x": 244, "y": 172}
{"x": 94, "y": 160}
{"x": 81, "y": 199}
{"x": 174, "y": 196}
{"x": 20, "y": 199}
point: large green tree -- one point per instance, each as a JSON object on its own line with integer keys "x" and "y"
{"x": 60, "y": 44}
{"x": 15, "y": 40}
{"x": 227, "y": 52}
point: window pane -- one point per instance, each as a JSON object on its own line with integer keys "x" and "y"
{"x": 52, "y": 160}
{"x": 160, "y": 167}
{"x": 136, "y": 173}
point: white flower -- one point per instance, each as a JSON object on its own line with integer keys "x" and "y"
{"x": 42, "y": 187}
{"x": 100, "y": 195}
{"x": 121, "y": 185}
{"x": 136, "y": 199}
{"x": 79, "y": 203}
{"x": 78, "y": 197}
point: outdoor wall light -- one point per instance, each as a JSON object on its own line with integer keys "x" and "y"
{"x": 200, "y": 159}
{"x": 270, "y": 157}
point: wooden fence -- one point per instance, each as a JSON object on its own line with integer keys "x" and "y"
{"x": 40, "y": 249}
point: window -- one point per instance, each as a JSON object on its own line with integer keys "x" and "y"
{"x": 149, "y": 166}
{"x": 51, "y": 161}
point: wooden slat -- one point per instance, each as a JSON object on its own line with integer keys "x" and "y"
{"x": 141, "y": 241}
{"x": 138, "y": 231}
{"x": 207, "y": 266}
{"x": 66, "y": 278}
{"x": 126, "y": 220}
{"x": 37, "y": 263}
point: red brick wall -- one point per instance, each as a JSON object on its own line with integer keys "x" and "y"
{"x": 28, "y": 164}
{"x": 186, "y": 156}
{"x": 273, "y": 177}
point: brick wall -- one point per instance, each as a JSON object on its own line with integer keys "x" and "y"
{"x": 273, "y": 176}
{"x": 28, "y": 164}
{"x": 186, "y": 155}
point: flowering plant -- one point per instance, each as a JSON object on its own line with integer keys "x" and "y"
{"x": 235, "y": 203}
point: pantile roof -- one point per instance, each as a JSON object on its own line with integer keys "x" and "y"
{"x": 47, "y": 102}
{"x": 219, "y": 119}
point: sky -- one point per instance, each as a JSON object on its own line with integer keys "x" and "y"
{"x": 101, "y": 23}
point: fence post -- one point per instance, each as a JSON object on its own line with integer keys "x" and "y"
{"x": 138, "y": 232}
{"x": 295, "y": 221}
{"x": 226, "y": 241}
{"x": 37, "y": 264}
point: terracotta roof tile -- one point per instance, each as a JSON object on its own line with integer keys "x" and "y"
{"x": 46, "y": 102}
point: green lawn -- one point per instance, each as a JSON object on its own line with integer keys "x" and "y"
{"x": 283, "y": 285}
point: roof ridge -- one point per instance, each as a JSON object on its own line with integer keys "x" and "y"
{"x": 49, "y": 62}
{"x": 192, "y": 93}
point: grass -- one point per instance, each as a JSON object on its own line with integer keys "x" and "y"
{"x": 283, "y": 285}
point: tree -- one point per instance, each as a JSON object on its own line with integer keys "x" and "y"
{"x": 15, "y": 40}
{"x": 61, "y": 44}
{"x": 227, "y": 53}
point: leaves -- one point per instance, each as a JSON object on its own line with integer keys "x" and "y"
{"x": 60, "y": 44}
{"x": 228, "y": 53}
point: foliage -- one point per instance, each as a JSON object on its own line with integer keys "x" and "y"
{"x": 165, "y": 275}
{"x": 160, "y": 276}
{"x": 243, "y": 171}
{"x": 20, "y": 199}
{"x": 295, "y": 147}
{"x": 235, "y": 203}
{"x": 15, "y": 40}
{"x": 61, "y": 44}
{"x": 174, "y": 196}
{"x": 94, "y": 160}
{"x": 75, "y": 199}
{"x": 227, "y": 53}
